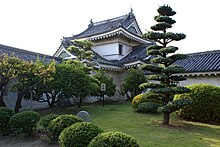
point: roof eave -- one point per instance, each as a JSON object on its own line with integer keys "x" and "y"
{"x": 118, "y": 31}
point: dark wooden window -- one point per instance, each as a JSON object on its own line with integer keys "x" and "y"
{"x": 120, "y": 49}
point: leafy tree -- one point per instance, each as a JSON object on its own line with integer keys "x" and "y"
{"x": 134, "y": 78}
{"x": 31, "y": 75}
{"x": 82, "y": 49}
{"x": 110, "y": 86}
{"x": 163, "y": 68}
{"x": 83, "y": 85}
{"x": 9, "y": 69}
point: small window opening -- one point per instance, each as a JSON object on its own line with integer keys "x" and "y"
{"x": 120, "y": 49}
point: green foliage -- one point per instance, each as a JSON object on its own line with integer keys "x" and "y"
{"x": 152, "y": 68}
{"x": 44, "y": 121}
{"x": 79, "y": 134}
{"x": 205, "y": 106}
{"x": 110, "y": 86}
{"x": 10, "y": 66}
{"x": 147, "y": 102}
{"x": 5, "y": 115}
{"x": 161, "y": 26}
{"x": 167, "y": 50}
{"x": 136, "y": 100}
{"x": 147, "y": 107}
{"x": 25, "y": 122}
{"x": 152, "y": 97}
{"x": 82, "y": 49}
{"x": 157, "y": 77}
{"x": 177, "y": 78}
{"x": 132, "y": 81}
{"x": 166, "y": 10}
{"x": 162, "y": 18}
{"x": 171, "y": 90}
{"x": 57, "y": 125}
{"x": 162, "y": 66}
{"x": 69, "y": 79}
{"x": 113, "y": 139}
{"x": 162, "y": 60}
{"x": 176, "y": 105}
{"x": 176, "y": 57}
{"x": 32, "y": 75}
{"x": 151, "y": 85}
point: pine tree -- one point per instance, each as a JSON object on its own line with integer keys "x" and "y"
{"x": 162, "y": 64}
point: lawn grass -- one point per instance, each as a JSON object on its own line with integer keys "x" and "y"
{"x": 147, "y": 128}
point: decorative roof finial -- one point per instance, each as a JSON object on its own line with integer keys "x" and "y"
{"x": 91, "y": 23}
{"x": 131, "y": 10}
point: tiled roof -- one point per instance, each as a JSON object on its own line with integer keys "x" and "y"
{"x": 26, "y": 55}
{"x": 137, "y": 53}
{"x": 65, "y": 43}
{"x": 201, "y": 62}
{"x": 100, "y": 59}
{"x": 96, "y": 28}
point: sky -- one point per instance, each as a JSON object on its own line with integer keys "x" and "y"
{"x": 39, "y": 25}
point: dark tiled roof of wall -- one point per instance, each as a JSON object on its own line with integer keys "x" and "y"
{"x": 201, "y": 62}
{"x": 26, "y": 55}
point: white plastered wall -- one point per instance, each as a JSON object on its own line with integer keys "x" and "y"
{"x": 213, "y": 80}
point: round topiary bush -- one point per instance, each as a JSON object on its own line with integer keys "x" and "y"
{"x": 25, "y": 122}
{"x": 113, "y": 139}
{"x": 44, "y": 121}
{"x": 79, "y": 134}
{"x": 147, "y": 102}
{"x": 57, "y": 125}
{"x": 5, "y": 115}
{"x": 205, "y": 103}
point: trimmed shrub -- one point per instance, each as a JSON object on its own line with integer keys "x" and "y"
{"x": 44, "y": 121}
{"x": 136, "y": 100}
{"x": 25, "y": 122}
{"x": 151, "y": 101}
{"x": 57, "y": 125}
{"x": 205, "y": 103}
{"x": 113, "y": 139}
{"x": 79, "y": 134}
{"x": 5, "y": 115}
{"x": 146, "y": 107}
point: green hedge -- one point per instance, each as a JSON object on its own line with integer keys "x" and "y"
{"x": 5, "y": 115}
{"x": 113, "y": 139}
{"x": 25, "y": 122}
{"x": 44, "y": 121}
{"x": 205, "y": 106}
{"x": 57, "y": 125}
{"x": 79, "y": 134}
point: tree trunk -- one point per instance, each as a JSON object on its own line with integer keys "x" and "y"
{"x": 80, "y": 102}
{"x": 2, "y": 103}
{"x": 18, "y": 103}
{"x": 166, "y": 118}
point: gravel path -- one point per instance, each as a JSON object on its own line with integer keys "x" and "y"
{"x": 21, "y": 141}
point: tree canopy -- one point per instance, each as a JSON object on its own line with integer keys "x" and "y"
{"x": 163, "y": 66}
{"x": 134, "y": 78}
